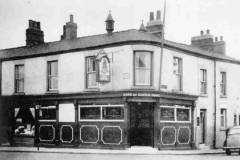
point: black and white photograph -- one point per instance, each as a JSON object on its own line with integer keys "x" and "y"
{"x": 119, "y": 80}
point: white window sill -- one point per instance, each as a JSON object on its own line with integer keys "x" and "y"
{"x": 52, "y": 92}
{"x": 19, "y": 93}
{"x": 223, "y": 96}
{"x": 203, "y": 95}
{"x": 91, "y": 90}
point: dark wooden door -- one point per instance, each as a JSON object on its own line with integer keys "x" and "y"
{"x": 141, "y": 124}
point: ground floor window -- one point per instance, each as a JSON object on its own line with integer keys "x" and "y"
{"x": 101, "y": 112}
{"x": 175, "y": 113}
{"x": 223, "y": 114}
{"x": 24, "y": 121}
{"x": 47, "y": 113}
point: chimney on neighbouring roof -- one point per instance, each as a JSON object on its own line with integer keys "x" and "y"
{"x": 206, "y": 42}
{"x": 69, "y": 30}
{"x": 34, "y": 35}
{"x": 155, "y": 26}
{"x": 109, "y": 23}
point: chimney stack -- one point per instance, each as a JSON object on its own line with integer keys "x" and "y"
{"x": 158, "y": 17}
{"x": 109, "y": 23}
{"x": 34, "y": 35}
{"x": 151, "y": 17}
{"x": 69, "y": 29}
{"x": 155, "y": 26}
{"x": 206, "y": 42}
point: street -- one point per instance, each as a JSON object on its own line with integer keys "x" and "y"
{"x": 68, "y": 156}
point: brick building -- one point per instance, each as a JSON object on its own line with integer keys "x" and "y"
{"x": 103, "y": 91}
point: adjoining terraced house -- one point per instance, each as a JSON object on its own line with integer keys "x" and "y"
{"x": 103, "y": 91}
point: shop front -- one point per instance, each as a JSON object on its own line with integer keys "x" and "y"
{"x": 111, "y": 120}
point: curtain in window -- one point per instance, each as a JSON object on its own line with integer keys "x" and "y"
{"x": 142, "y": 68}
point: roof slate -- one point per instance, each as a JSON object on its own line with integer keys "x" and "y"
{"x": 101, "y": 40}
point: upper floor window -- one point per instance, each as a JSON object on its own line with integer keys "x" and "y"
{"x": 52, "y": 71}
{"x": 143, "y": 68}
{"x": 223, "y": 118}
{"x": 203, "y": 81}
{"x": 223, "y": 84}
{"x": 235, "y": 119}
{"x": 19, "y": 78}
{"x": 177, "y": 72}
{"x": 91, "y": 74}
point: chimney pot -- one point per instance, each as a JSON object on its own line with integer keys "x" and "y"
{"x": 71, "y": 18}
{"x": 208, "y": 31}
{"x": 151, "y": 17}
{"x": 201, "y": 33}
{"x": 216, "y": 39}
{"x": 158, "y": 15}
{"x": 221, "y": 38}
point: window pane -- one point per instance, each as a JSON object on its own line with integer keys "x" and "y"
{"x": 143, "y": 76}
{"x": 66, "y": 113}
{"x": 24, "y": 122}
{"x": 91, "y": 79}
{"x": 143, "y": 59}
{"x": 183, "y": 114}
{"x": 47, "y": 113}
{"x": 90, "y": 113}
{"x": 91, "y": 66}
{"x": 142, "y": 68}
{"x": 53, "y": 83}
{"x": 113, "y": 112}
{"x": 167, "y": 114}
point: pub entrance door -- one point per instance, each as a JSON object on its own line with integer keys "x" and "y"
{"x": 141, "y": 124}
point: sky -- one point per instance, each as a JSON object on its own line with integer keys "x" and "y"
{"x": 184, "y": 18}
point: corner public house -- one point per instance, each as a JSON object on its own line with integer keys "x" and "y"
{"x": 102, "y": 91}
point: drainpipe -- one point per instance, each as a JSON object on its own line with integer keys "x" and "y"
{"x": 162, "y": 44}
{"x": 215, "y": 107}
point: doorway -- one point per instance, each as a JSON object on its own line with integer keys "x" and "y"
{"x": 203, "y": 126}
{"x": 141, "y": 124}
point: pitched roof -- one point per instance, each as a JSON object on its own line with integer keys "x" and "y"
{"x": 95, "y": 41}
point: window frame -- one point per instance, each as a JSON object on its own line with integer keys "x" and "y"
{"x": 151, "y": 68}
{"x": 179, "y": 73}
{"x": 223, "y": 84}
{"x": 17, "y": 80}
{"x": 203, "y": 81}
{"x": 224, "y": 116}
{"x": 175, "y": 107}
{"x": 101, "y": 119}
{"x": 92, "y": 72}
{"x": 49, "y": 77}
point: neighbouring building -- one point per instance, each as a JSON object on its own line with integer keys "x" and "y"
{"x": 103, "y": 91}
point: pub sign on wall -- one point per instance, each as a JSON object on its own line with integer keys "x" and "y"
{"x": 103, "y": 67}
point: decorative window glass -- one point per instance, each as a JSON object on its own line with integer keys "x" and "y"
{"x": 91, "y": 74}
{"x": 112, "y": 112}
{"x": 52, "y": 70}
{"x": 19, "y": 78}
{"x": 143, "y": 67}
{"x": 203, "y": 81}
{"x": 175, "y": 113}
{"x": 183, "y": 114}
{"x": 223, "y": 84}
{"x": 167, "y": 114}
{"x": 47, "y": 113}
{"x": 101, "y": 112}
{"x": 223, "y": 114}
{"x": 24, "y": 121}
{"x": 177, "y": 73}
{"x": 90, "y": 113}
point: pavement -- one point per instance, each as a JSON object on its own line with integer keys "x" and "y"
{"x": 133, "y": 150}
